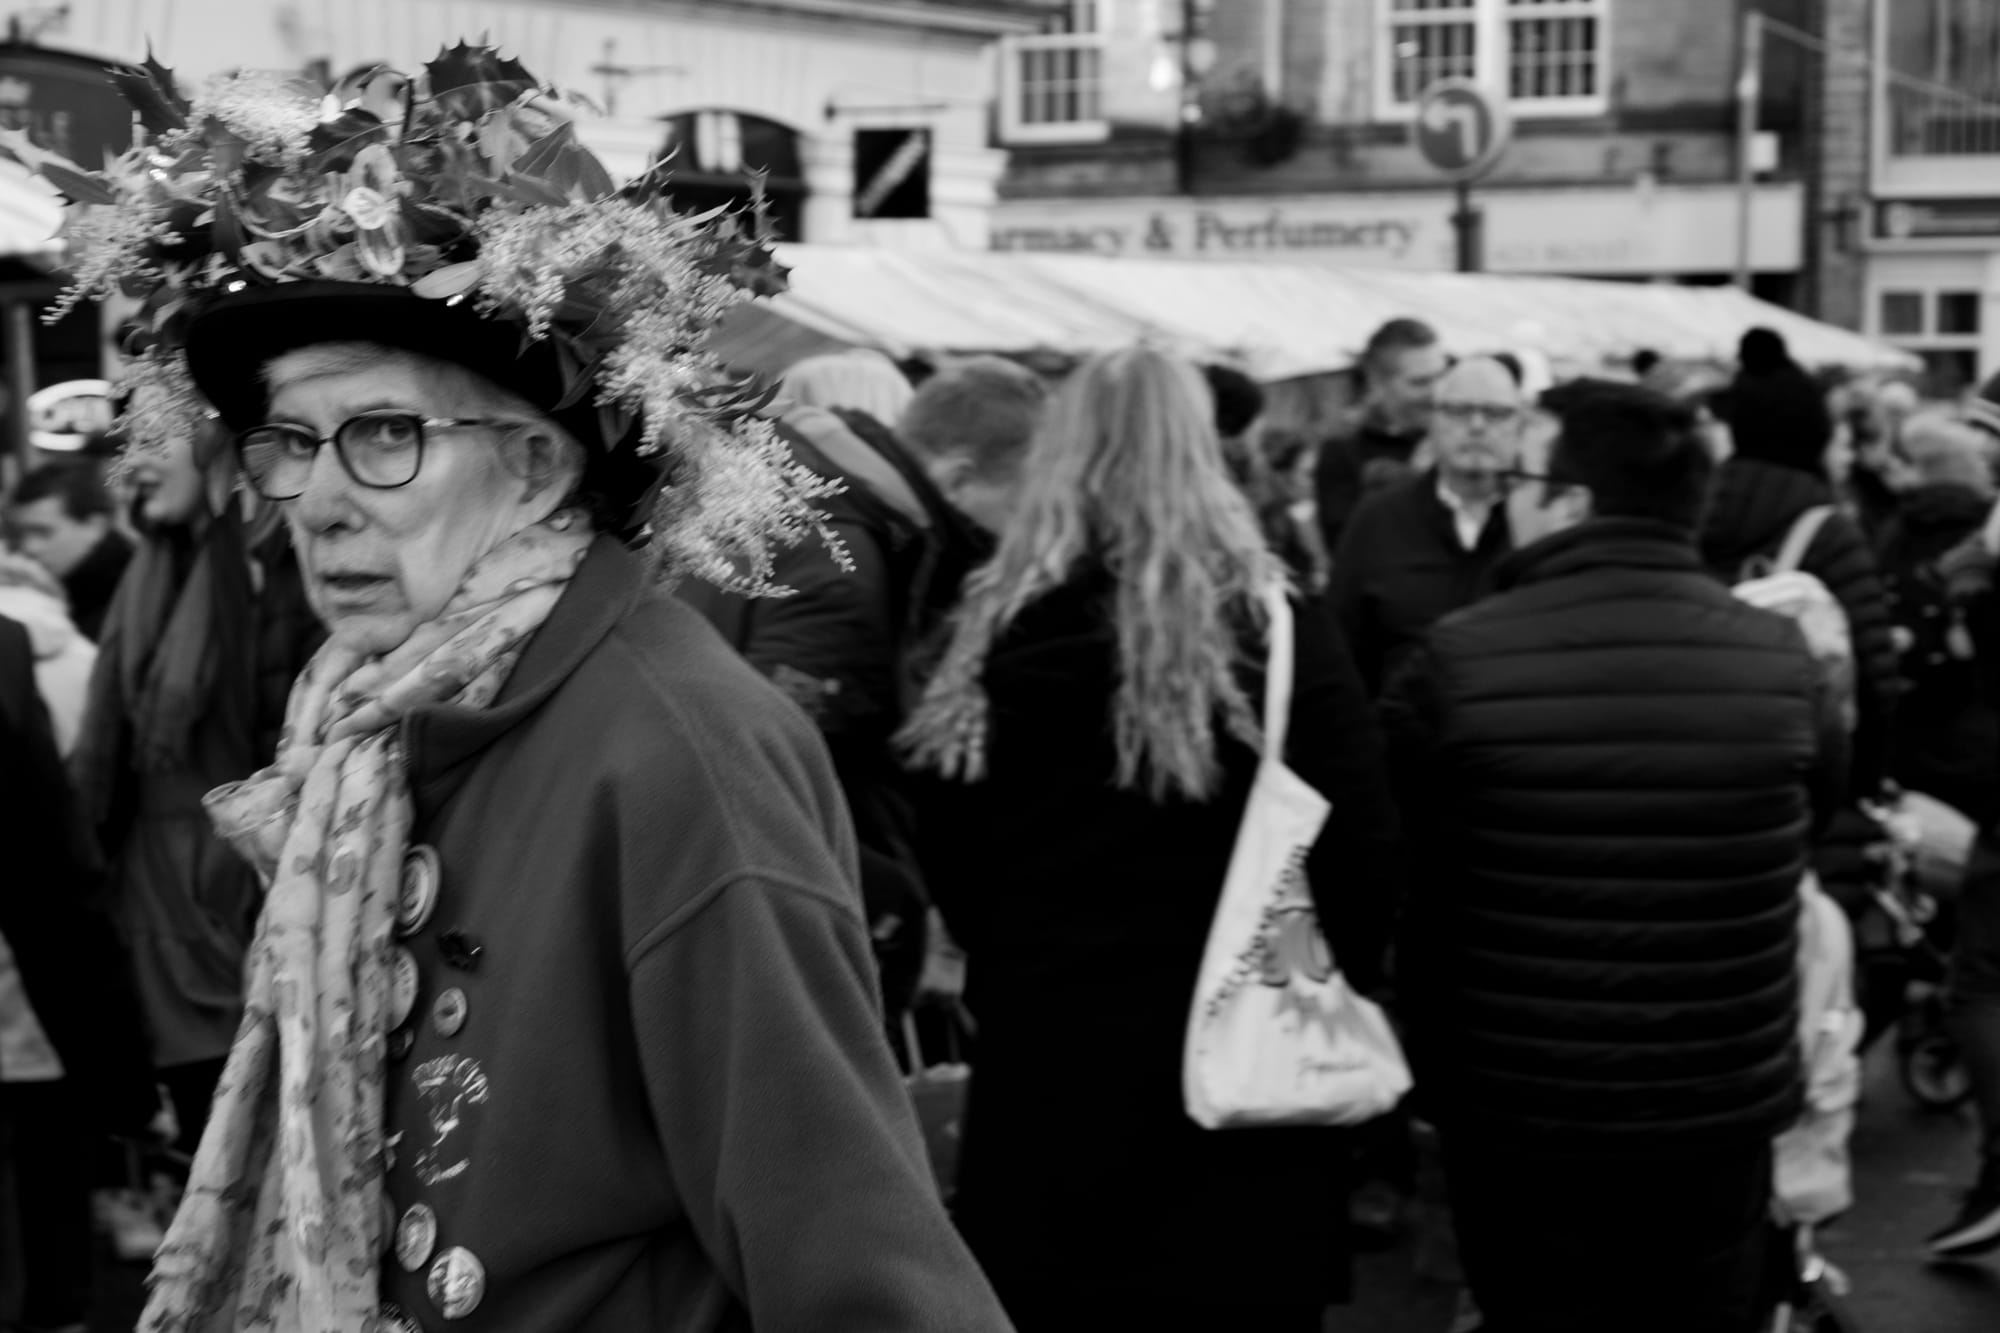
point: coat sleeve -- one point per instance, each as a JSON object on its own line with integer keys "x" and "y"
{"x": 1335, "y": 744}
{"x": 1844, "y": 563}
{"x": 1411, "y": 714}
{"x": 1336, "y": 488}
{"x": 1346, "y": 596}
{"x": 786, "y": 1126}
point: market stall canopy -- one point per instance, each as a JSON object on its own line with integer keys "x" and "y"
{"x": 1277, "y": 321}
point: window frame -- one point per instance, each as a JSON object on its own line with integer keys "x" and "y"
{"x": 1492, "y": 22}
{"x": 1930, "y": 337}
{"x": 1084, "y": 32}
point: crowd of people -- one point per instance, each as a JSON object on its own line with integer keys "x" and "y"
{"x": 1576, "y": 782}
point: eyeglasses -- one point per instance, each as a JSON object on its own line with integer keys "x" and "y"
{"x": 1493, "y": 414}
{"x": 380, "y": 450}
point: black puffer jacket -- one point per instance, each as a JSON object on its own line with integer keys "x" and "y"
{"x": 1609, "y": 773}
{"x": 1751, "y": 510}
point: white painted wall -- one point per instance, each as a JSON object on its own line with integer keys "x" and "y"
{"x": 788, "y": 68}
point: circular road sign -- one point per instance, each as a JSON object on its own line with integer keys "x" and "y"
{"x": 1462, "y": 128}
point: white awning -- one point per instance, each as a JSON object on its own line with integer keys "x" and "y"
{"x": 1277, "y": 321}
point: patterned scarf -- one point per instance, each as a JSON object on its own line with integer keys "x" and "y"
{"x": 282, "y": 1227}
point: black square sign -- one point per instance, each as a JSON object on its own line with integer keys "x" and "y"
{"x": 892, "y": 173}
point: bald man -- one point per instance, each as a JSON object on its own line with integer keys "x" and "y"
{"x": 1425, "y": 547}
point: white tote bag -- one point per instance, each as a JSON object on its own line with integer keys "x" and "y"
{"x": 1276, "y": 1036}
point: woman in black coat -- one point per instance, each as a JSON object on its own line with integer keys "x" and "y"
{"x": 1093, "y": 720}
{"x": 1782, "y": 430}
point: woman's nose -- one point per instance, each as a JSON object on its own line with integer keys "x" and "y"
{"x": 327, "y": 494}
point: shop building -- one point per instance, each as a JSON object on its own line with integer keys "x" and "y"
{"x": 1917, "y": 257}
{"x": 1282, "y": 129}
{"x": 823, "y": 95}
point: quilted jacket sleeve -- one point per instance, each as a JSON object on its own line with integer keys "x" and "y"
{"x": 1840, "y": 559}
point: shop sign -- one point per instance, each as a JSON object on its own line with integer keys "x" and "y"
{"x": 1937, "y": 219}
{"x": 1220, "y": 232}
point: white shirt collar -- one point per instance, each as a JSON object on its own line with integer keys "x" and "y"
{"x": 1468, "y": 517}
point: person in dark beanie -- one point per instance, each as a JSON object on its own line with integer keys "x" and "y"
{"x": 1609, "y": 770}
{"x": 1782, "y": 428}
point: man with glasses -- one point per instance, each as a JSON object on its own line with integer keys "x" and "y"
{"x": 1423, "y": 548}
{"x": 1609, "y": 770}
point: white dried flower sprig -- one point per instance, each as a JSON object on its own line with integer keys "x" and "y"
{"x": 272, "y": 114}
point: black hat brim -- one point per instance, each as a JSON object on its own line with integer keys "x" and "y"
{"x": 231, "y": 341}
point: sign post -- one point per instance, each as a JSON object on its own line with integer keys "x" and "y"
{"x": 1462, "y": 130}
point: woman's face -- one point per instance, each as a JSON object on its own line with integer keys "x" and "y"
{"x": 167, "y": 486}
{"x": 379, "y": 563}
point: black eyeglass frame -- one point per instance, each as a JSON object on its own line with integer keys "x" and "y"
{"x": 243, "y": 443}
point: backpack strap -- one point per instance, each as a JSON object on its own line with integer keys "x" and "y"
{"x": 1800, "y": 539}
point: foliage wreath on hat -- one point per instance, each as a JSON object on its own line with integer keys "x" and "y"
{"x": 464, "y": 185}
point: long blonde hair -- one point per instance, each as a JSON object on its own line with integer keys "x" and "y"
{"x": 1126, "y": 469}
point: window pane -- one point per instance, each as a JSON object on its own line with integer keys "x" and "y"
{"x": 1552, "y": 57}
{"x": 1426, "y": 52}
{"x": 1958, "y": 312}
{"x": 1902, "y": 313}
{"x": 1947, "y": 53}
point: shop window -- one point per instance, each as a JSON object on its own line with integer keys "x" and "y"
{"x": 1958, "y": 312}
{"x": 1052, "y": 85}
{"x": 1902, "y": 314}
{"x": 1942, "y": 327}
{"x": 1943, "y": 69}
{"x": 1549, "y": 55}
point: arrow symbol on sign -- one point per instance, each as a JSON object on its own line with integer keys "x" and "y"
{"x": 1441, "y": 117}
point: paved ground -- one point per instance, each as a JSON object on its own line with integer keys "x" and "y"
{"x": 1909, "y": 1163}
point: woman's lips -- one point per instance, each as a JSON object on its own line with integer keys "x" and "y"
{"x": 349, "y": 587}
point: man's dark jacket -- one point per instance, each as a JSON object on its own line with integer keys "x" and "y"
{"x": 1355, "y": 463}
{"x": 1401, "y": 568}
{"x": 1610, "y": 770}
{"x": 1750, "y": 511}
{"x": 51, "y": 911}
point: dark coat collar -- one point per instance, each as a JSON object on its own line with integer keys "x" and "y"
{"x": 441, "y": 740}
{"x": 1599, "y": 543}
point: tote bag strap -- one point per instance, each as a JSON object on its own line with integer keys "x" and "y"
{"x": 1799, "y": 540}
{"x": 1277, "y": 671}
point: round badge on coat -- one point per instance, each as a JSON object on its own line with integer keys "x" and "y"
{"x": 391, "y": 1319}
{"x": 416, "y": 1237}
{"x": 457, "y": 1282}
{"x": 402, "y": 987}
{"x": 418, "y": 897}
{"x": 448, "y": 1014}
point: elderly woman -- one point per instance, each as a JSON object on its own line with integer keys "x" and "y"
{"x": 560, "y": 1011}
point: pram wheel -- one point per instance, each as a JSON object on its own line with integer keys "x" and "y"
{"x": 1933, "y": 1072}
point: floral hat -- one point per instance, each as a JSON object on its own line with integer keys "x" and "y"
{"x": 454, "y": 214}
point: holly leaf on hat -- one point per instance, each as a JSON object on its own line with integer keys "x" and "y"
{"x": 451, "y": 280}
{"x": 467, "y": 81}
{"x": 335, "y": 143}
{"x": 522, "y": 190}
{"x": 150, "y": 91}
{"x": 227, "y": 232}
{"x": 564, "y": 163}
